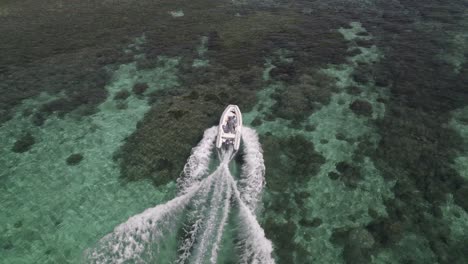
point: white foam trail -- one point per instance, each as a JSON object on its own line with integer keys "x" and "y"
{"x": 198, "y": 162}
{"x": 188, "y": 243}
{"x": 210, "y": 224}
{"x": 256, "y": 247}
{"x": 252, "y": 179}
{"x": 198, "y": 215}
{"x": 138, "y": 239}
{"x": 226, "y": 209}
{"x": 132, "y": 240}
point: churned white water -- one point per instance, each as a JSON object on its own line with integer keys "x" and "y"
{"x": 205, "y": 202}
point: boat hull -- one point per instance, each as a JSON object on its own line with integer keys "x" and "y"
{"x": 230, "y": 128}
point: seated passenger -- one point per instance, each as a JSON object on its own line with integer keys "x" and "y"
{"x": 232, "y": 124}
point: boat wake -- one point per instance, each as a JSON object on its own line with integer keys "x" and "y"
{"x": 205, "y": 205}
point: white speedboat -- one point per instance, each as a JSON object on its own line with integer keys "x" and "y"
{"x": 230, "y": 127}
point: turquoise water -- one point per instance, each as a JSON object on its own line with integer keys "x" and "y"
{"x": 361, "y": 108}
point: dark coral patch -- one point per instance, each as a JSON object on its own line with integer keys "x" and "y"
{"x": 178, "y": 113}
{"x": 74, "y": 159}
{"x": 193, "y": 95}
{"x": 300, "y": 159}
{"x": 122, "y": 95}
{"x": 212, "y": 98}
{"x": 80, "y": 102}
{"x": 283, "y": 72}
{"x": 333, "y": 175}
{"x": 7, "y": 245}
{"x": 24, "y": 143}
{"x": 353, "y": 52}
{"x": 294, "y": 155}
{"x": 121, "y": 105}
{"x": 256, "y": 122}
{"x": 364, "y": 43}
{"x": 354, "y": 252}
{"x": 353, "y": 90}
{"x": 340, "y": 136}
{"x": 461, "y": 197}
{"x": 298, "y": 101}
{"x": 350, "y": 175}
{"x": 18, "y": 224}
{"x": 310, "y": 128}
{"x": 361, "y": 76}
{"x": 315, "y": 222}
{"x": 57, "y": 105}
{"x": 140, "y": 88}
{"x": 339, "y": 236}
{"x": 282, "y": 233}
{"x": 382, "y": 79}
{"x": 385, "y": 231}
{"x": 38, "y": 119}
{"x": 361, "y": 107}
{"x": 357, "y": 244}
{"x": 159, "y": 147}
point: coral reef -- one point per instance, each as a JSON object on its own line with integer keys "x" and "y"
{"x": 140, "y": 88}
{"x": 295, "y": 156}
{"x": 350, "y": 175}
{"x": 361, "y": 107}
{"x": 74, "y": 159}
{"x": 161, "y": 144}
{"x": 297, "y": 102}
{"x": 42, "y": 194}
{"x": 416, "y": 148}
{"x": 24, "y": 143}
{"x": 298, "y": 157}
{"x": 158, "y": 148}
{"x": 122, "y": 95}
{"x": 356, "y": 244}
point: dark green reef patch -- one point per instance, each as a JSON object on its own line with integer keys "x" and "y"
{"x": 294, "y": 155}
{"x": 361, "y": 107}
{"x": 70, "y": 51}
{"x": 159, "y": 147}
{"x": 417, "y": 148}
{"x": 74, "y": 159}
{"x": 140, "y": 88}
{"x": 122, "y": 95}
{"x": 24, "y": 143}
{"x": 357, "y": 244}
{"x": 297, "y": 157}
{"x": 349, "y": 174}
{"x": 298, "y": 101}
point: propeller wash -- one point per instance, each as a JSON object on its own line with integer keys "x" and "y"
{"x": 205, "y": 206}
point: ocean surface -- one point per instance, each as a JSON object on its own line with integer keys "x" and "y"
{"x": 356, "y": 131}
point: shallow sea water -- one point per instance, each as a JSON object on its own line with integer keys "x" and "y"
{"x": 361, "y": 108}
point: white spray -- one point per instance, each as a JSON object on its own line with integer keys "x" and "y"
{"x": 205, "y": 201}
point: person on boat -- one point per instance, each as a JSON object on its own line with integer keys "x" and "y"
{"x": 231, "y": 124}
